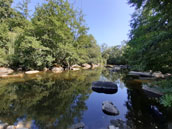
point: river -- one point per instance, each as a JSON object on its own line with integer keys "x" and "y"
{"x": 48, "y": 100}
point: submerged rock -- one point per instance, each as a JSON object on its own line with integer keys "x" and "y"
{"x": 78, "y": 126}
{"x": 104, "y": 87}
{"x": 119, "y": 124}
{"x": 109, "y": 108}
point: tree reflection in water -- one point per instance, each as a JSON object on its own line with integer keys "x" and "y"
{"x": 144, "y": 112}
{"x": 50, "y": 100}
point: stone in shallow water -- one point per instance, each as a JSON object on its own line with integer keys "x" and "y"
{"x": 3, "y": 125}
{"x": 104, "y": 87}
{"x": 109, "y": 108}
{"x": 80, "y": 125}
{"x": 119, "y": 124}
{"x": 112, "y": 127}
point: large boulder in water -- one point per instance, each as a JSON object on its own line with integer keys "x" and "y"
{"x": 109, "y": 108}
{"x": 104, "y": 87}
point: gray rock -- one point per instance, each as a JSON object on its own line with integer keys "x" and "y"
{"x": 80, "y": 125}
{"x": 3, "y": 125}
{"x": 104, "y": 87}
{"x": 140, "y": 74}
{"x": 109, "y": 108}
{"x": 152, "y": 91}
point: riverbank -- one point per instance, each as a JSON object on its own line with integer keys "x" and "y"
{"x": 10, "y": 73}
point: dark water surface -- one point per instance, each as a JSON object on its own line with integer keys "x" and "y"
{"x": 58, "y": 101}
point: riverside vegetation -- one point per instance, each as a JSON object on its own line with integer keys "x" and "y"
{"x": 56, "y": 35}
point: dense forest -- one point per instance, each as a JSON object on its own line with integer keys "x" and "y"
{"x": 55, "y": 34}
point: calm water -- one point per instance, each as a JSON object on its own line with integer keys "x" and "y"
{"x": 58, "y": 101}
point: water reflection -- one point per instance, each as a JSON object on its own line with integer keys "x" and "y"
{"x": 58, "y": 101}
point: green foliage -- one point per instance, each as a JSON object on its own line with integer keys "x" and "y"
{"x": 56, "y": 34}
{"x": 165, "y": 86}
{"x": 150, "y": 38}
{"x": 31, "y": 54}
{"x": 166, "y": 100}
{"x": 114, "y": 55}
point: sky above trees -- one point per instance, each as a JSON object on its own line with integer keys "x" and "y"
{"x": 108, "y": 20}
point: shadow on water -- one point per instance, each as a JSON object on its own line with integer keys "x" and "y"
{"x": 58, "y": 101}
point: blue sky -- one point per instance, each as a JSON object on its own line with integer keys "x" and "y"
{"x": 108, "y": 20}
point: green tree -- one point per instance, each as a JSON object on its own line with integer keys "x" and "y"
{"x": 150, "y": 38}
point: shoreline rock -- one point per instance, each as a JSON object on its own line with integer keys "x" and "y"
{"x": 57, "y": 69}
{"x": 152, "y": 91}
{"x": 86, "y": 66}
{"x": 32, "y": 72}
{"x": 5, "y": 71}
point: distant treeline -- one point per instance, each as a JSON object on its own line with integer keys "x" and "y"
{"x": 55, "y": 34}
